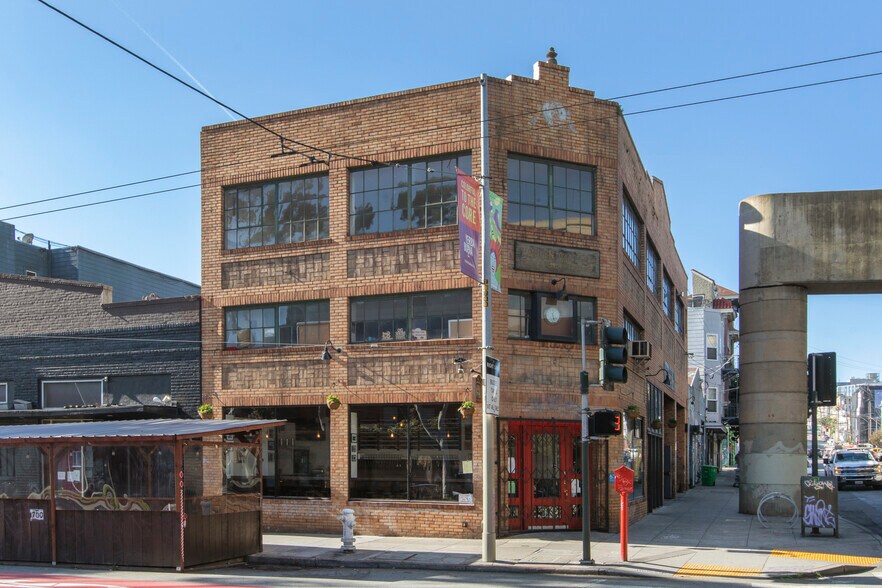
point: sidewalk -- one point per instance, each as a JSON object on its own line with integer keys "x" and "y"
{"x": 700, "y": 533}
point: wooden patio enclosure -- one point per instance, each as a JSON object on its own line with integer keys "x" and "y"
{"x": 159, "y": 493}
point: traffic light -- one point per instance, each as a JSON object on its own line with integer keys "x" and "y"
{"x": 822, "y": 378}
{"x": 613, "y": 355}
{"x": 606, "y": 422}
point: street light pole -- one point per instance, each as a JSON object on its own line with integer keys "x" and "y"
{"x": 586, "y": 434}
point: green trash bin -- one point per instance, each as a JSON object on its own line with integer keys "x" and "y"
{"x": 708, "y": 475}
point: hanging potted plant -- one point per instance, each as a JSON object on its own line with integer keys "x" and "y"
{"x": 467, "y": 409}
{"x": 206, "y": 411}
{"x": 655, "y": 424}
{"x": 632, "y": 411}
{"x": 672, "y": 423}
{"x": 332, "y": 401}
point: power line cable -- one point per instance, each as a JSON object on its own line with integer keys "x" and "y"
{"x": 285, "y": 150}
{"x": 101, "y": 202}
{"x": 462, "y": 124}
{"x": 516, "y": 132}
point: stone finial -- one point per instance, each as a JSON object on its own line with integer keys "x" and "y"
{"x": 551, "y": 56}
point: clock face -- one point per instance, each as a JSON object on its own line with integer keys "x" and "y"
{"x": 552, "y": 315}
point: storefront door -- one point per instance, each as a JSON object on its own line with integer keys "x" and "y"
{"x": 543, "y": 481}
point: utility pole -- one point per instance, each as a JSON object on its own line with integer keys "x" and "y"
{"x": 586, "y": 435}
{"x": 488, "y": 421}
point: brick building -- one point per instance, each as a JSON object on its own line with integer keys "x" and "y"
{"x": 67, "y": 352}
{"x": 300, "y": 252}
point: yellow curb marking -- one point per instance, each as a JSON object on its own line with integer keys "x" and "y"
{"x": 703, "y": 570}
{"x": 850, "y": 559}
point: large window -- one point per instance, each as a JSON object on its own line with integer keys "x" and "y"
{"x": 550, "y": 195}
{"x": 288, "y": 211}
{"x": 296, "y": 457}
{"x": 652, "y": 267}
{"x": 635, "y": 333}
{"x": 678, "y": 316}
{"x": 553, "y": 319}
{"x": 72, "y": 393}
{"x": 414, "y": 195}
{"x": 278, "y": 325}
{"x": 668, "y": 296}
{"x": 410, "y": 452}
{"x": 630, "y": 231}
{"x": 411, "y": 317}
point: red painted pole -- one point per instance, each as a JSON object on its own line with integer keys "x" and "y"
{"x": 623, "y": 525}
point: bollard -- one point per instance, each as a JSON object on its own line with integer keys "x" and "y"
{"x": 348, "y": 520}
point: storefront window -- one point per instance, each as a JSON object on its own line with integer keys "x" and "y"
{"x": 411, "y": 452}
{"x": 296, "y": 457}
{"x": 633, "y": 455}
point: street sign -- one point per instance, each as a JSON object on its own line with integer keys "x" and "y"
{"x": 491, "y": 386}
{"x": 624, "y": 480}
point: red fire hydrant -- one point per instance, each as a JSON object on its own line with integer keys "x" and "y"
{"x": 624, "y": 484}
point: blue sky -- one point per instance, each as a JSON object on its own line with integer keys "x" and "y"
{"x": 78, "y": 114}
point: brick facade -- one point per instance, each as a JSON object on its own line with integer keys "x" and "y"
{"x": 542, "y": 118}
{"x": 59, "y": 329}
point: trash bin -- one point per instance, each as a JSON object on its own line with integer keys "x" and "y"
{"x": 708, "y": 475}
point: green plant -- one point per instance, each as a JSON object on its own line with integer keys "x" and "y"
{"x": 656, "y": 423}
{"x": 205, "y": 409}
{"x": 632, "y": 410}
{"x": 672, "y": 423}
{"x": 467, "y": 405}
{"x": 333, "y": 401}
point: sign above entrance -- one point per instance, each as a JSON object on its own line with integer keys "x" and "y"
{"x": 491, "y": 386}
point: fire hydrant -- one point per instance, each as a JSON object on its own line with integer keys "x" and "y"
{"x": 348, "y": 520}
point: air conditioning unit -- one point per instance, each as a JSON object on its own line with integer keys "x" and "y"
{"x": 641, "y": 349}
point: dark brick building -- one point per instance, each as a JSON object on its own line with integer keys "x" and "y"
{"x": 299, "y": 251}
{"x": 68, "y": 351}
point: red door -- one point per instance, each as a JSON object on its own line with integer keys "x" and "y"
{"x": 544, "y": 475}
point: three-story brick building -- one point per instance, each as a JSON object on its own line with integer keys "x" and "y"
{"x": 358, "y": 251}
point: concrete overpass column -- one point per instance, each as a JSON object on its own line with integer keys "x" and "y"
{"x": 773, "y": 403}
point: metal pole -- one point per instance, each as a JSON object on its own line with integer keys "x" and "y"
{"x": 488, "y": 422}
{"x": 813, "y": 394}
{"x": 586, "y": 500}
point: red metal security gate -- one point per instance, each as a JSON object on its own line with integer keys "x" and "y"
{"x": 540, "y": 476}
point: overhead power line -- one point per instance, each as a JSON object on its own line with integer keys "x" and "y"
{"x": 102, "y": 202}
{"x": 286, "y": 150}
{"x": 457, "y": 125}
{"x": 515, "y": 132}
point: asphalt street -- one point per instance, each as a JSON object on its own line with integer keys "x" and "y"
{"x": 862, "y": 506}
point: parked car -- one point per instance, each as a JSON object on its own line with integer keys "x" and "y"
{"x": 854, "y": 466}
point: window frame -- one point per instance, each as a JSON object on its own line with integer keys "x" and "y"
{"x": 667, "y": 295}
{"x": 534, "y": 318}
{"x": 277, "y": 326}
{"x": 715, "y": 347}
{"x": 652, "y": 270}
{"x": 407, "y": 298}
{"x": 631, "y": 220}
{"x": 632, "y": 327}
{"x": 679, "y": 311}
{"x": 414, "y": 177}
{"x": 4, "y": 386}
{"x": 555, "y": 215}
{"x": 233, "y": 192}
{"x": 100, "y": 381}
{"x": 712, "y": 396}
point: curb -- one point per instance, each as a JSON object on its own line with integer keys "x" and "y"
{"x": 567, "y": 569}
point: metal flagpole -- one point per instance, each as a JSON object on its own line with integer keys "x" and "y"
{"x": 488, "y": 430}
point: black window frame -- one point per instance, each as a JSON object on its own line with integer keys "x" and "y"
{"x": 269, "y": 196}
{"x": 534, "y": 320}
{"x": 632, "y": 229}
{"x": 407, "y": 312}
{"x": 522, "y": 195}
{"x": 321, "y": 306}
{"x": 667, "y": 296}
{"x": 397, "y": 188}
{"x": 653, "y": 264}
{"x": 632, "y": 327}
{"x": 679, "y": 311}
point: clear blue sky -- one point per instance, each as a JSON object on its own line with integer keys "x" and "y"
{"x": 78, "y": 114}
